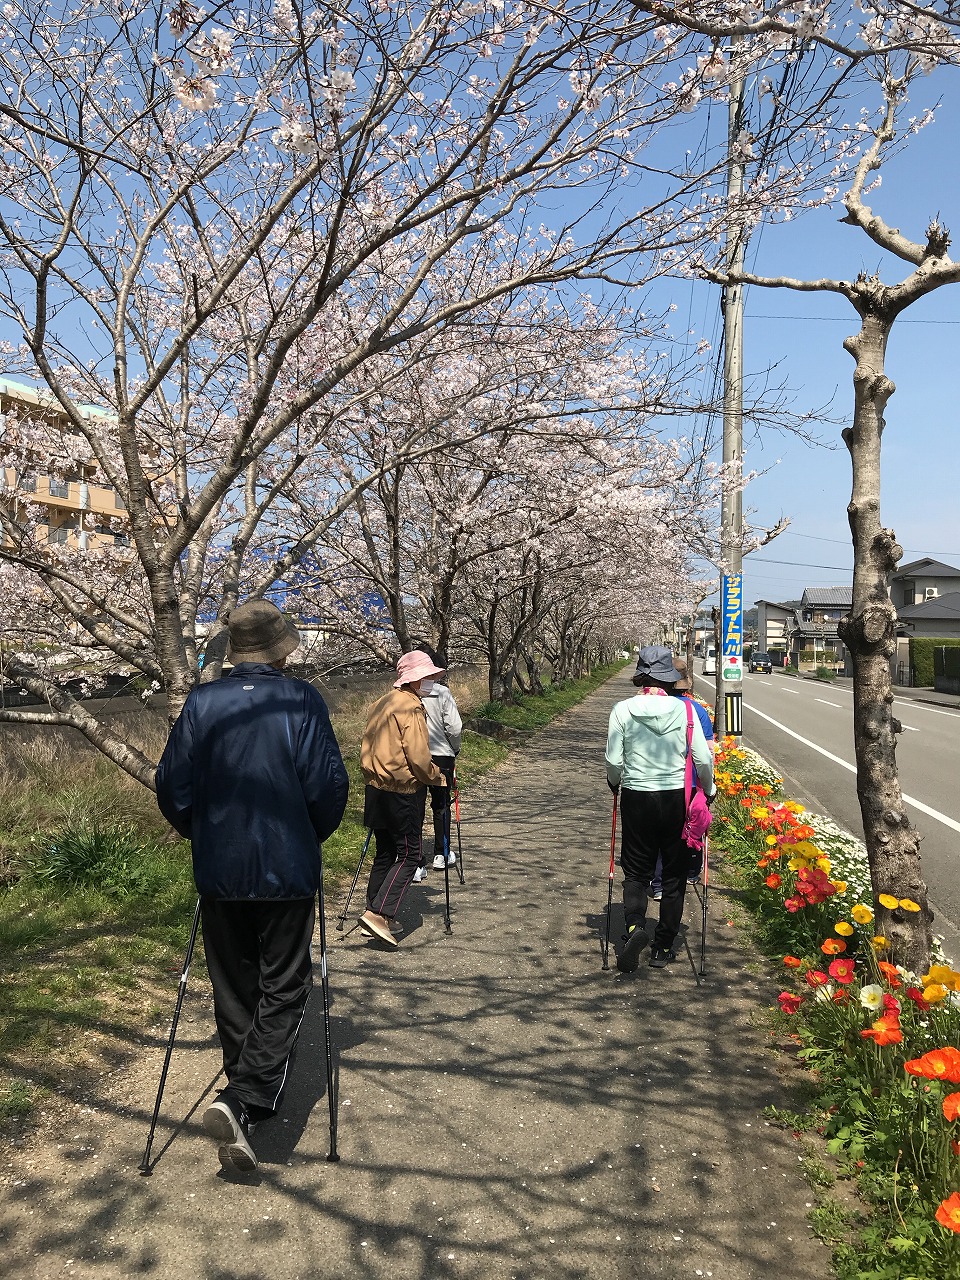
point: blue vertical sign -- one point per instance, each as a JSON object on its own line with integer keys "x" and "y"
{"x": 731, "y": 600}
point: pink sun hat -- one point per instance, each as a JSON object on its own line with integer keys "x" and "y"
{"x": 415, "y": 665}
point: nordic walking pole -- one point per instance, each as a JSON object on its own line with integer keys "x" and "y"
{"x": 706, "y": 891}
{"x": 456, "y": 814}
{"x": 333, "y": 1157}
{"x": 346, "y": 906}
{"x": 144, "y": 1165}
{"x": 612, "y": 872}
{"x": 446, "y": 870}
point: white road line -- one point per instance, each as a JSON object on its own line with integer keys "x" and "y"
{"x": 909, "y": 727}
{"x": 920, "y": 706}
{"x": 916, "y": 804}
{"x": 830, "y": 704}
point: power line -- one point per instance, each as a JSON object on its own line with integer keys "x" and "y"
{"x": 840, "y": 319}
{"x": 803, "y": 564}
{"x": 845, "y": 542}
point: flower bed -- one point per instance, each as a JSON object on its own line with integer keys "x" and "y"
{"x": 880, "y": 1041}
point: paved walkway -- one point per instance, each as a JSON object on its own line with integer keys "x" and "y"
{"x": 507, "y": 1109}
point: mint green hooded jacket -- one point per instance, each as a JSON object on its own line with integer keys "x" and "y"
{"x": 647, "y": 743}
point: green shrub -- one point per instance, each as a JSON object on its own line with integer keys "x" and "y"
{"x": 921, "y": 656}
{"x": 826, "y": 673}
{"x": 85, "y": 854}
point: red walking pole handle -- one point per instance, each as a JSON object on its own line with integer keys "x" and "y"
{"x": 613, "y": 839}
{"x": 456, "y": 797}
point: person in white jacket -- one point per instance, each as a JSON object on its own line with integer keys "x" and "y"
{"x": 445, "y": 728}
{"x": 646, "y": 762}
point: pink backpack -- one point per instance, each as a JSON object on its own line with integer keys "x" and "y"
{"x": 699, "y": 816}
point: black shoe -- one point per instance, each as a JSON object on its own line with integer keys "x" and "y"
{"x": 660, "y": 957}
{"x": 230, "y": 1124}
{"x": 634, "y": 943}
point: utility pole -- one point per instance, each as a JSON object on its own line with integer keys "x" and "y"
{"x": 729, "y": 708}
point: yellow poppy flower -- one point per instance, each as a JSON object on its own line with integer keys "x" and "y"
{"x": 940, "y": 974}
{"x": 889, "y": 901}
{"x": 771, "y": 840}
{"x": 879, "y": 943}
{"x": 908, "y": 904}
{"x": 824, "y": 865}
{"x": 843, "y": 929}
{"x": 934, "y": 993}
{"x": 840, "y": 886}
{"x": 759, "y": 813}
{"x": 862, "y": 914}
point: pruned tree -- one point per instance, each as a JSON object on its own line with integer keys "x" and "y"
{"x": 869, "y": 630}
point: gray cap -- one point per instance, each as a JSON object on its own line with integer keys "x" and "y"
{"x": 656, "y": 662}
{"x": 260, "y": 633}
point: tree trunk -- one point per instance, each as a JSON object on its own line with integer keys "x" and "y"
{"x": 869, "y": 631}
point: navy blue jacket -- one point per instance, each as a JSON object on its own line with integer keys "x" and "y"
{"x": 253, "y": 776}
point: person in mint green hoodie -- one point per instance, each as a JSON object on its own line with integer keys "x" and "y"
{"x": 646, "y": 763}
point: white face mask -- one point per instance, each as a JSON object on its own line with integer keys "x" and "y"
{"x": 426, "y": 685}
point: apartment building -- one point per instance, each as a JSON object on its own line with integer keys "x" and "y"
{"x": 80, "y": 511}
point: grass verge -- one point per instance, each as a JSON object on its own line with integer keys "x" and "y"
{"x": 97, "y": 898}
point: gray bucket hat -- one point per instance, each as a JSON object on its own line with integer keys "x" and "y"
{"x": 656, "y": 662}
{"x": 260, "y": 633}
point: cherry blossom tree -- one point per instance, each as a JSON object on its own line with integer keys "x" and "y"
{"x": 222, "y": 236}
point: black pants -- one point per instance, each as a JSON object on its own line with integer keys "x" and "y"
{"x": 397, "y": 824}
{"x": 258, "y": 956}
{"x": 652, "y": 827}
{"x": 440, "y": 800}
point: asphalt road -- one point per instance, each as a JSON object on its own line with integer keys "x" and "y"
{"x": 805, "y": 729}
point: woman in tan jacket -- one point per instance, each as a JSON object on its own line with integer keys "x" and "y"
{"x": 397, "y": 768}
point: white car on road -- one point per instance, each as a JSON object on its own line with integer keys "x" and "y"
{"x": 710, "y": 662}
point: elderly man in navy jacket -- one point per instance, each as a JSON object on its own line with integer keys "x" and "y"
{"x": 253, "y": 776}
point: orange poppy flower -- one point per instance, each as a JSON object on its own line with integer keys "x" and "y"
{"x": 792, "y": 962}
{"x": 948, "y": 1212}
{"x": 889, "y": 971}
{"x": 938, "y": 1064}
{"x": 951, "y": 1106}
{"x": 885, "y": 1030}
{"x": 833, "y": 946}
{"x": 773, "y": 881}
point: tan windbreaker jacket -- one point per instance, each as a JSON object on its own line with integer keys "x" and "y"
{"x": 395, "y": 751}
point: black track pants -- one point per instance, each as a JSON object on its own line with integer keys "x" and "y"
{"x": 397, "y": 823}
{"x": 652, "y": 826}
{"x": 440, "y": 801}
{"x": 258, "y": 955}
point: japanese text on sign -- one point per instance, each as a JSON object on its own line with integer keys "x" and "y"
{"x": 731, "y": 597}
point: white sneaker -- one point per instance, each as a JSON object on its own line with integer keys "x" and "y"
{"x": 438, "y": 862}
{"x": 451, "y": 859}
{"x": 419, "y": 875}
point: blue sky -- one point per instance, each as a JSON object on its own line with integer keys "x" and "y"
{"x": 804, "y": 332}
